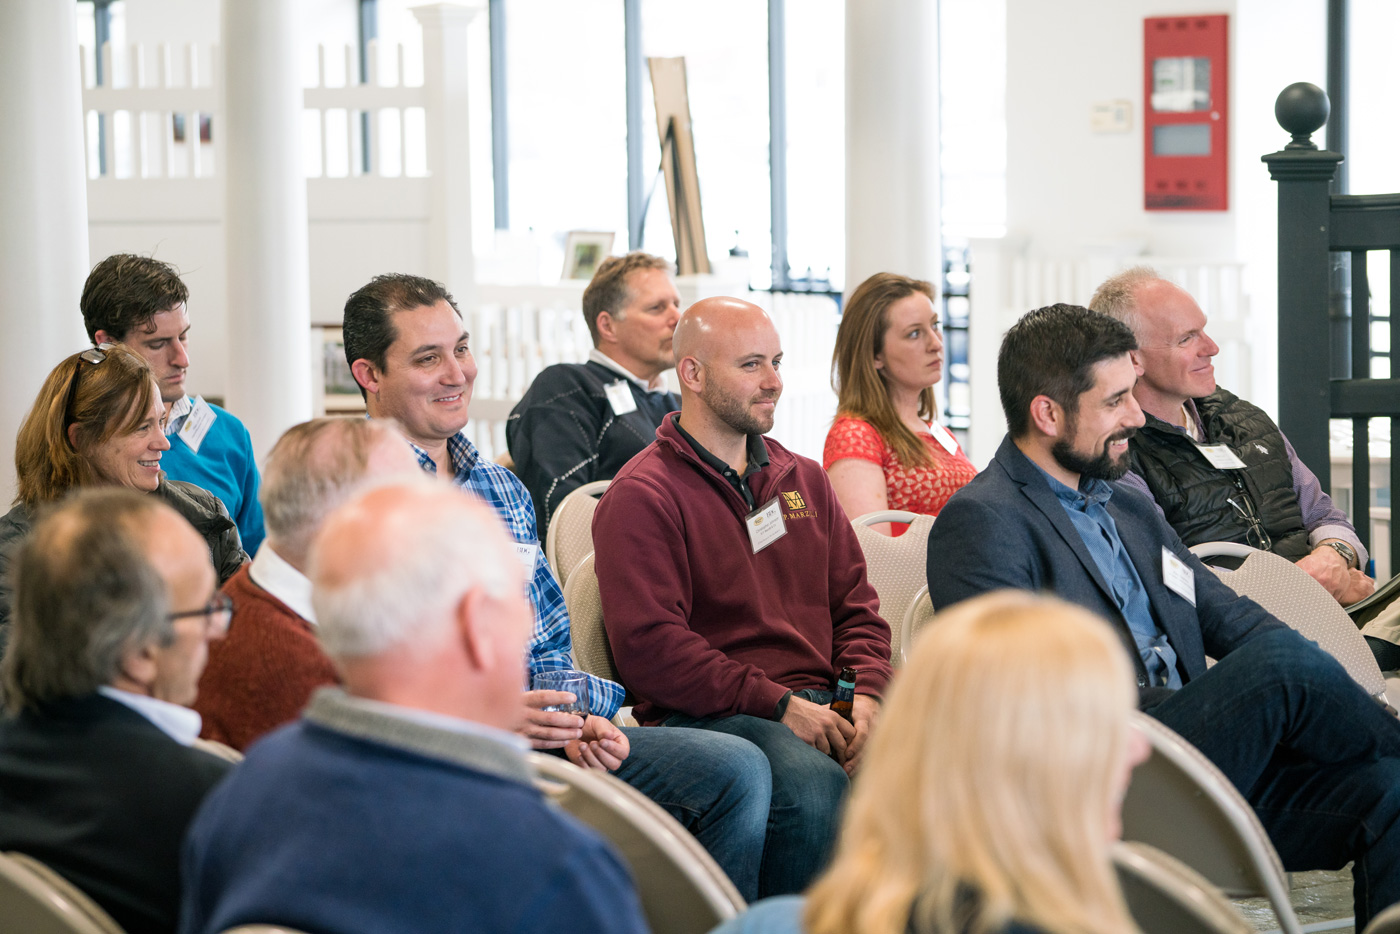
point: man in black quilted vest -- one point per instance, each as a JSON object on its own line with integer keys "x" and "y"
{"x": 1217, "y": 466}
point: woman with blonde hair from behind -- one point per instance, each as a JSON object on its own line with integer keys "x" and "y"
{"x": 991, "y": 792}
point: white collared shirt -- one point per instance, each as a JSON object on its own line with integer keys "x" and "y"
{"x": 175, "y": 418}
{"x": 272, "y": 573}
{"x": 179, "y": 723}
{"x": 597, "y": 356}
{"x": 440, "y": 721}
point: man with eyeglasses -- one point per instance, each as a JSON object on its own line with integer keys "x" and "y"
{"x": 1217, "y": 466}
{"x": 140, "y": 301}
{"x": 115, "y": 603}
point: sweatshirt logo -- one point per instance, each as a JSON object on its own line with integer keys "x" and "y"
{"x": 1260, "y": 448}
{"x": 794, "y": 500}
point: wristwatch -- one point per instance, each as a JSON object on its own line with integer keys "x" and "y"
{"x": 1345, "y": 550}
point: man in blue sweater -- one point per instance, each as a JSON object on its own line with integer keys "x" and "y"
{"x": 404, "y": 802}
{"x": 140, "y": 302}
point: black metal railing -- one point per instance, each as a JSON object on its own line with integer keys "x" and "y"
{"x": 1313, "y": 226}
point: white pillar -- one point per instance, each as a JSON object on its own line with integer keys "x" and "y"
{"x": 445, "y": 81}
{"x": 43, "y": 205}
{"x": 265, "y": 225}
{"x": 892, "y": 139}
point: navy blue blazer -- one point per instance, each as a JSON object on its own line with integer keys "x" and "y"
{"x": 1007, "y": 529}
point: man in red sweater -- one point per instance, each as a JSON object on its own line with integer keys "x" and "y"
{"x": 734, "y": 589}
{"x": 264, "y": 672}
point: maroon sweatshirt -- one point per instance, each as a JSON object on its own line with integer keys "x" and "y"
{"x": 701, "y": 625}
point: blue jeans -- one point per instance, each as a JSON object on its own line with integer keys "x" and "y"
{"x": 1316, "y": 757}
{"x": 718, "y": 787}
{"x": 808, "y": 790}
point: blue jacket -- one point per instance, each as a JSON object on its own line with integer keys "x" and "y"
{"x": 1007, "y": 529}
{"x": 226, "y": 467}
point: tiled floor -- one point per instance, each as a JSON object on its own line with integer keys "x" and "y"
{"x": 1318, "y": 898}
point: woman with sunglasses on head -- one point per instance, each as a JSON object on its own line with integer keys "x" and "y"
{"x": 992, "y": 789}
{"x": 886, "y": 450}
{"x": 98, "y": 422}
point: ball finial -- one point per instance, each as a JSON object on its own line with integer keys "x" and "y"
{"x": 1301, "y": 109}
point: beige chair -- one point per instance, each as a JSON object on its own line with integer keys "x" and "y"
{"x": 919, "y": 615}
{"x": 682, "y": 889}
{"x": 569, "y": 538}
{"x": 1387, "y": 922}
{"x": 1286, "y": 591}
{"x": 36, "y": 900}
{"x": 1166, "y": 896}
{"x": 897, "y": 567}
{"x": 216, "y": 748}
{"x": 592, "y": 653}
{"x": 1181, "y": 804}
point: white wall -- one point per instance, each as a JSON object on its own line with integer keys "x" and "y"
{"x": 1069, "y": 188}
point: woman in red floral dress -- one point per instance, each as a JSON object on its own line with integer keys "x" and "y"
{"x": 886, "y": 450}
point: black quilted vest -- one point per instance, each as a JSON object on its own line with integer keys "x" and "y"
{"x": 1196, "y": 496}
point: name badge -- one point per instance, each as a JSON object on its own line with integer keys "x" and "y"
{"x": 197, "y": 424}
{"x": 528, "y": 553}
{"x": 1220, "y": 456}
{"x": 944, "y": 437}
{"x": 765, "y": 525}
{"x": 1177, "y": 575}
{"x": 620, "y": 397}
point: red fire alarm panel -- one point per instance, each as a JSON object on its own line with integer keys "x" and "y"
{"x": 1186, "y": 127}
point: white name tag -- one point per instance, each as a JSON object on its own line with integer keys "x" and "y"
{"x": 1176, "y": 574}
{"x": 528, "y": 553}
{"x": 197, "y": 424}
{"x": 620, "y": 397}
{"x": 944, "y": 437}
{"x": 1220, "y": 456}
{"x": 765, "y": 525}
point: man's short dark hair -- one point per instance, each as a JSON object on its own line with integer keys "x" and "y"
{"x": 126, "y": 291}
{"x": 609, "y": 290}
{"x": 1051, "y": 352}
{"x": 84, "y": 595}
{"x": 368, "y": 329}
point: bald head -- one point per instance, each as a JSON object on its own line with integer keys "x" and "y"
{"x": 420, "y": 600}
{"x": 727, "y": 359}
{"x": 315, "y": 466}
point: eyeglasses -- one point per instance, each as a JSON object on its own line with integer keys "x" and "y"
{"x": 1254, "y": 531}
{"x": 94, "y": 355}
{"x": 217, "y": 613}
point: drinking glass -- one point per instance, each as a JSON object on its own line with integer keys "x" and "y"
{"x": 575, "y": 682}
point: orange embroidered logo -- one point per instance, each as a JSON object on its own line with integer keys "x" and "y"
{"x": 794, "y": 500}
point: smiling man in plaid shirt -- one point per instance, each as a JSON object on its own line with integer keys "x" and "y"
{"x": 408, "y": 349}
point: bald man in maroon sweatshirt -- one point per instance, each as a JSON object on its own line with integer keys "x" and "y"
{"x": 734, "y": 589}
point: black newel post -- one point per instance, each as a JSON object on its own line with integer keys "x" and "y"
{"x": 1304, "y": 174}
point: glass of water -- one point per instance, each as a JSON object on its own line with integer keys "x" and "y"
{"x": 575, "y": 682}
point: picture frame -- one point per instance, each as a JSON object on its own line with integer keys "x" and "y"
{"x": 584, "y": 250}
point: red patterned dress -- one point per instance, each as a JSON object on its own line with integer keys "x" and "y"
{"x": 913, "y": 489}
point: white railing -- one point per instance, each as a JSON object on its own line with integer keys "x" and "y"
{"x": 334, "y": 141}
{"x": 1007, "y": 282}
{"x": 137, "y": 106}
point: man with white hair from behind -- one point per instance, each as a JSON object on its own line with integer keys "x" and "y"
{"x": 404, "y": 801}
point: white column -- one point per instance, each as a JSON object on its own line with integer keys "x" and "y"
{"x": 445, "y": 80}
{"x": 265, "y": 225}
{"x": 43, "y": 205}
{"x": 891, "y": 139}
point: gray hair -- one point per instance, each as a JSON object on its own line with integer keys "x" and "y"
{"x": 405, "y": 598}
{"x": 1117, "y": 296}
{"x": 312, "y": 469}
{"x": 85, "y": 594}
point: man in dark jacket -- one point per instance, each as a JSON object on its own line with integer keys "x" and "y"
{"x": 115, "y": 602}
{"x": 1218, "y": 467}
{"x": 1316, "y": 757}
{"x": 580, "y": 422}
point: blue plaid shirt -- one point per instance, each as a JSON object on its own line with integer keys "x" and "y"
{"x": 550, "y": 646}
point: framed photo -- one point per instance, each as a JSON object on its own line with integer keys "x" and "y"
{"x": 584, "y": 250}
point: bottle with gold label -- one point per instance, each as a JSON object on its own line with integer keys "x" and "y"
{"x": 844, "y": 699}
